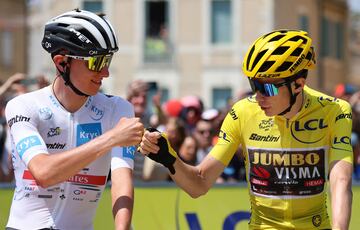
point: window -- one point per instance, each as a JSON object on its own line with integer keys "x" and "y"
{"x": 221, "y": 23}
{"x": 7, "y": 48}
{"x": 95, "y": 6}
{"x": 220, "y": 97}
{"x": 339, "y": 40}
{"x": 304, "y": 23}
{"x": 325, "y": 40}
{"x": 152, "y": 90}
{"x": 157, "y": 48}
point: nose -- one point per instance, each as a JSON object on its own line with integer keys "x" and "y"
{"x": 105, "y": 72}
{"x": 259, "y": 96}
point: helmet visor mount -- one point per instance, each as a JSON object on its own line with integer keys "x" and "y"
{"x": 95, "y": 63}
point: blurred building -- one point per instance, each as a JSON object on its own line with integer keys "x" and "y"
{"x": 13, "y": 37}
{"x": 355, "y": 49}
{"x": 197, "y": 46}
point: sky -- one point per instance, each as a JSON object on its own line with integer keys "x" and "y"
{"x": 354, "y": 5}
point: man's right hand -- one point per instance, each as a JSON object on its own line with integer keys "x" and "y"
{"x": 156, "y": 146}
{"x": 128, "y": 132}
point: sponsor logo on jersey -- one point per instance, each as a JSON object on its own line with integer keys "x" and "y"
{"x": 45, "y": 196}
{"x": 233, "y": 114}
{"x": 223, "y": 135}
{"x": 342, "y": 140}
{"x": 79, "y": 192}
{"x": 56, "y": 145}
{"x": 290, "y": 172}
{"x": 343, "y": 116}
{"x": 129, "y": 152}
{"x": 300, "y": 130}
{"x": 326, "y": 100}
{"x": 87, "y": 132}
{"x": 54, "y": 101}
{"x": 27, "y": 143}
{"x": 83, "y": 179}
{"x": 45, "y": 113}
{"x": 54, "y": 132}
{"x": 18, "y": 118}
{"x": 316, "y": 220}
{"x": 266, "y": 124}
{"x": 268, "y": 138}
{"x": 96, "y": 113}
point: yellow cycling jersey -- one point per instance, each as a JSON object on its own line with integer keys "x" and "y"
{"x": 287, "y": 160}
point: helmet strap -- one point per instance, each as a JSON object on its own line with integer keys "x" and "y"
{"x": 292, "y": 100}
{"x": 66, "y": 76}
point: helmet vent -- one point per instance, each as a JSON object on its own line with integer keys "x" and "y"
{"x": 296, "y": 52}
{"x": 308, "y": 56}
{"x": 266, "y": 66}
{"x": 284, "y": 66}
{"x": 249, "y": 57}
{"x": 277, "y": 38}
{"x": 280, "y": 50}
{"x": 297, "y": 38}
{"x": 258, "y": 57}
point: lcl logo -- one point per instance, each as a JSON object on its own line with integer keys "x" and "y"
{"x": 312, "y": 124}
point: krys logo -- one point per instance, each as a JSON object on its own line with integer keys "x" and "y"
{"x": 96, "y": 113}
{"x": 87, "y": 132}
{"x": 309, "y": 131}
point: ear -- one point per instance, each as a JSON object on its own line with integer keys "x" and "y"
{"x": 60, "y": 62}
{"x": 299, "y": 84}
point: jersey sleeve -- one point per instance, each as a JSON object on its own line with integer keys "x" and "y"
{"x": 229, "y": 137}
{"x": 341, "y": 148}
{"x": 22, "y": 121}
{"x": 122, "y": 156}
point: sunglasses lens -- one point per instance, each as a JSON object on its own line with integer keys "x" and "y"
{"x": 97, "y": 63}
{"x": 265, "y": 89}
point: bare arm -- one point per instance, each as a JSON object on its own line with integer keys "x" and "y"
{"x": 341, "y": 194}
{"x": 197, "y": 181}
{"x": 122, "y": 196}
{"x": 51, "y": 169}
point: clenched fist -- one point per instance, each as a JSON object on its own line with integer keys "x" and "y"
{"x": 127, "y": 132}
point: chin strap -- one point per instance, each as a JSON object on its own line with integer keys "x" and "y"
{"x": 292, "y": 100}
{"x": 66, "y": 76}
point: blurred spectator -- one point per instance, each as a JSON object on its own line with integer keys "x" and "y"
{"x": 191, "y": 112}
{"x": 172, "y": 108}
{"x": 203, "y": 134}
{"x": 344, "y": 91}
{"x": 137, "y": 93}
{"x": 188, "y": 150}
{"x": 13, "y": 84}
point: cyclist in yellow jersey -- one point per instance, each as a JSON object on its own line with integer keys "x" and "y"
{"x": 294, "y": 139}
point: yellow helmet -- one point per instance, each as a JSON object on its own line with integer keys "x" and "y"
{"x": 279, "y": 54}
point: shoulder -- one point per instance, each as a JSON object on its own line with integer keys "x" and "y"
{"x": 115, "y": 103}
{"x": 247, "y": 105}
{"x": 26, "y": 100}
{"x": 325, "y": 101}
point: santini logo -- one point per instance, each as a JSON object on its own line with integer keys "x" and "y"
{"x": 268, "y": 138}
{"x": 18, "y": 118}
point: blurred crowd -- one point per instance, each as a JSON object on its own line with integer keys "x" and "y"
{"x": 15, "y": 85}
{"x": 191, "y": 129}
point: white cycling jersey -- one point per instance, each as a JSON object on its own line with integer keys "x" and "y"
{"x": 39, "y": 124}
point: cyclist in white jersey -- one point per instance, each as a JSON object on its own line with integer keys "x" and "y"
{"x": 66, "y": 137}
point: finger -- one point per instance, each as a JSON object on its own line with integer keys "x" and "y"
{"x": 153, "y": 137}
{"x": 149, "y": 147}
